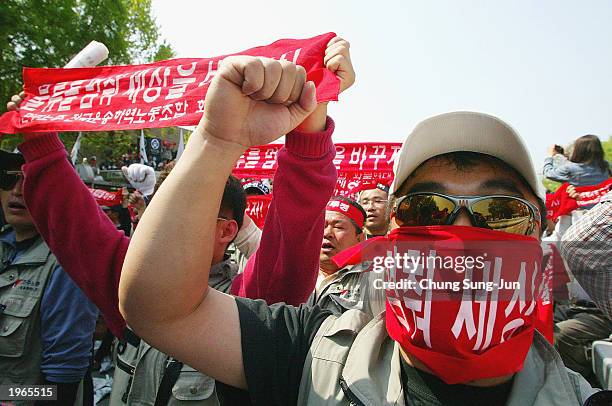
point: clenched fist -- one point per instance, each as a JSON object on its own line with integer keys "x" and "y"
{"x": 15, "y": 102}
{"x": 338, "y": 60}
{"x": 253, "y": 101}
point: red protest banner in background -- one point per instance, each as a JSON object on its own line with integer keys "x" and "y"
{"x": 257, "y": 208}
{"x": 161, "y": 94}
{"x": 356, "y": 163}
{"x": 553, "y": 202}
{"x": 106, "y": 198}
{"x": 560, "y": 203}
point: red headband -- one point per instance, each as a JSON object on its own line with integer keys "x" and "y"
{"x": 348, "y": 210}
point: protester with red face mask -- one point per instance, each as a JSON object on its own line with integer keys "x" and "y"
{"x": 286, "y": 355}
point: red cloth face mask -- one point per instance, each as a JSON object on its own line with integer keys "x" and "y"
{"x": 465, "y": 319}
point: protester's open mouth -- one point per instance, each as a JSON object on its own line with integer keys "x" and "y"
{"x": 16, "y": 206}
{"x": 327, "y": 247}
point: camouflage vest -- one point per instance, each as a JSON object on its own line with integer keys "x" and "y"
{"x": 22, "y": 284}
{"x": 140, "y": 367}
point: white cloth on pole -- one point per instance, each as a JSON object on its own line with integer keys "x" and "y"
{"x": 75, "y": 149}
{"x": 143, "y": 149}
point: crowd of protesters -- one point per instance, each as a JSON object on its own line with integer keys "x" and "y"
{"x": 200, "y": 306}
{"x": 580, "y": 320}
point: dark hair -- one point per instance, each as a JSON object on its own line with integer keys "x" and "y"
{"x": 588, "y": 150}
{"x": 465, "y": 160}
{"x": 253, "y": 191}
{"x": 234, "y": 200}
{"x": 353, "y": 203}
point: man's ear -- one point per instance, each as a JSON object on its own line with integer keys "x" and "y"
{"x": 229, "y": 230}
{"x": 361, "y": 236}
{"x": 392, "y": 224}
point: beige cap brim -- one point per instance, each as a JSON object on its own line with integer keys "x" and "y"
{"x": 464, "y": 131}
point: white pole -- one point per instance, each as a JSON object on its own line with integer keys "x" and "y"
{"x": 75, "y": 149}
{"x": 181, "y": 145}
{"x": 143, "y": 149}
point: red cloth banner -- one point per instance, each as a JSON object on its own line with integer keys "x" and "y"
{"x": 452, "y": 316}
{"x": 553, "y": 288}
{"x": 560, "y": 203}
{"x": 106, "y": 198}
{"x": 357, "y": 164}
{"x": 257, "y": 208}
{"x": 161, "y": 94}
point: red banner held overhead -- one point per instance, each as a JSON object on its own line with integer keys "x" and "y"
{"x": 560, "y": 203}
{"x": 161, "y": 94}
{"x": 356, "y": 163}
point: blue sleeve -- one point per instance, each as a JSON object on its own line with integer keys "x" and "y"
{"x": 68, "y": 321}
{"x": 562, "y": 173}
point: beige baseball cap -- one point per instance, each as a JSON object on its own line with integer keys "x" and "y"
{"x": 464, "y": 131}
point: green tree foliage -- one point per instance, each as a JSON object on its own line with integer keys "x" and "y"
{"x": 607, "y": 147}
{"x": 46, "y": 33}
{"x": 109, "y": 145}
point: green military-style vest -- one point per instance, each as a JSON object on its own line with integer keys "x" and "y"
{"x": 351, "y": 289}
{"x": 140, "y": 368}
{"x": 22, "y": 284}
{"x": 125, "y": 356}
{"x": 353, "y": 361}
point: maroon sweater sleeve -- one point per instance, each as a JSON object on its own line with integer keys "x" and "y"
{"x": 86, "y": 243}
{"x": 284, "y": 268}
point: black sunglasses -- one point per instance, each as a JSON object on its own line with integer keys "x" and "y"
{"x": 496, "y": 212}
{"x": 8, "y": 179}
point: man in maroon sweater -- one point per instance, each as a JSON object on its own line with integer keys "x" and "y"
{"x": 91, "y": 250}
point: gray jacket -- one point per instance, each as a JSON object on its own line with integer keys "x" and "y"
{"x": 353, "y": 288}
{"x": 353, "y": 361}
{"x": 21, "y": 344}
{"x": 142, "y": 367}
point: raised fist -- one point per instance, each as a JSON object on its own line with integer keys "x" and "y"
{"x": 142, "y": 177}
{"x": 338, "y": 60}
{"x": 15, "y": 102}
{"x": 253, "y": 101}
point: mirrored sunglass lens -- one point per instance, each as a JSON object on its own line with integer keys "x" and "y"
{"x": 503, "y": 214}
{"x": 424, "y": 210}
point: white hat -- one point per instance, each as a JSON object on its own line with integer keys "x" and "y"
{"x": 464, "y": 131}
{"x": 263, "y": 185}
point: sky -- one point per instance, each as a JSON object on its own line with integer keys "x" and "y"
{"x": 544, "y": 67}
